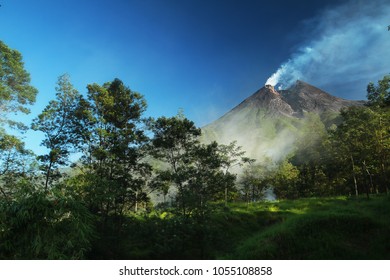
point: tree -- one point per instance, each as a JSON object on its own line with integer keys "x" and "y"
{"x": 16, "y": 163}
{"x": 207, "y": 179}
{"x": 173, "y": 140}
{"x": 354, "y": 139}
{"x": 285, "y": 180}
{"x": 232, "y": 157}
{"x": 198, "y": 171}
{"x": 379, "y": 101}
{"x": 255, "y": 179}
{"x": 379, "y": 96}
{"x": 108, "y": 124}
{"x": 56, "y": 123}
{"x": 308, "y": 157}
{"x": 16, "y": 93}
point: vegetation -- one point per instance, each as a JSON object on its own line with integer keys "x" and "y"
{"x": 308, "y": 228}
{"x": 320, "y": 228}
{"x": 100, "y": 206}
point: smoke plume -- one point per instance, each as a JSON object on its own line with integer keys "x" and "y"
{"x": 349, "y": 46}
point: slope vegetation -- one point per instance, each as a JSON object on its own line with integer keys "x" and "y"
{"x": 337, "y": 228}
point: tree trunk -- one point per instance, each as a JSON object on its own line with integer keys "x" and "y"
{"x": 365, "y": 180}
{"x": 354, "y": 177}
{"x": 385, "y": 181}
{"x": 226, "y": 196}
{"x": 136, "y": 202}
{"x": 48, "y": 172}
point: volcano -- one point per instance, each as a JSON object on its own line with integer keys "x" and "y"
{"x": 267, "y": 122}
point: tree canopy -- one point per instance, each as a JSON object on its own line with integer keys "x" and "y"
{"x": 16, "y": 93}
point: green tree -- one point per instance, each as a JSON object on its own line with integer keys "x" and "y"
{"x": 56, "y": 123}
{"x": 206, "y": 178}
{"x": 379, "y": 101}
{"x": 109, "y": 127}
{"x": 255, "y": 179}
{"x": 16, "y": 93}
{"x": 198, "y": 171}
{"x": 285, "y": 180}
{"x": 232, "y": 157}
{"x": 379, "y": 95}
{"x": 308, "y": 157}
{"x": 173, "y": 141}
{"x": 16, "y": 163}
{"x": 354, "y": 141}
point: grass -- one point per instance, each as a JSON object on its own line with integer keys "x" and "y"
{"x": 315, "y": 228}
{"x": 326, "y": 228}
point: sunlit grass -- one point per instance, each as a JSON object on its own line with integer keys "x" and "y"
{"x": 273, "y": 208}
{"x": 321, "y": 228}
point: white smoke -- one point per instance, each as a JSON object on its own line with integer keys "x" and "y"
{"x": 349, "y": 47}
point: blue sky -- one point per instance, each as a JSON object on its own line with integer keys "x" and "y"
{"x": 204, "y": 56}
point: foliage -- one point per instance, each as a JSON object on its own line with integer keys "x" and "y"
{"x": 309, "y": 156}
{"x": 331, "y": 228}
{"x": 56, "y": 123}
{"x": 379, "y": 95}
{"x": 285, "y": 181}
{"x": 232, "y": 157}
{"x": 16, "y": 93}
{"x": 310, "y": 228}
{"x": 195, "y": 169}
{"x": 108, "y": 126}
{"x": 255, "y": 180}
{"x": 198, "y": 171}
{"x": 362, "y": 144}
{"x": 44, "y": 225}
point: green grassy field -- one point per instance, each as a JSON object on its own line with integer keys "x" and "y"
{"x": 323, "y": 228}
{"x": 316, "y": 228}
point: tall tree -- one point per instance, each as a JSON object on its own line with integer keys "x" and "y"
{"x": 173, "y": 140}
{"x": 285, "y": 180}
{"x": 255, "y": 179}
{"x": 56, "y": 123}
{"x": 198, "y": 171}
{"x": 379, "y": 101}
{"x": 109, "y": 124}
{"x": 308, "y": 156}
{"x": 16, "y": 93}
{"x": 232, "y": 157}
{"x": 379, "y": 95}
{"x": 354, "y": 139}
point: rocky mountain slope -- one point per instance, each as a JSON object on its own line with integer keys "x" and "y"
{"x": 303, "y": 97}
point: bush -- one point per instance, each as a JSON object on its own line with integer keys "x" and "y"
{"x": 44, "y": 225}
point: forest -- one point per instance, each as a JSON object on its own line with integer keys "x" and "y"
{"x": 150, "y": 188}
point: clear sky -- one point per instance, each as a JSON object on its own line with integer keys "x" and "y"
{"x": 204, "y": 56}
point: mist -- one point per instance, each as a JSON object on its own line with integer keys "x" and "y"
{"x": 348, "y": 48}
{"x": 259, "y": 136}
